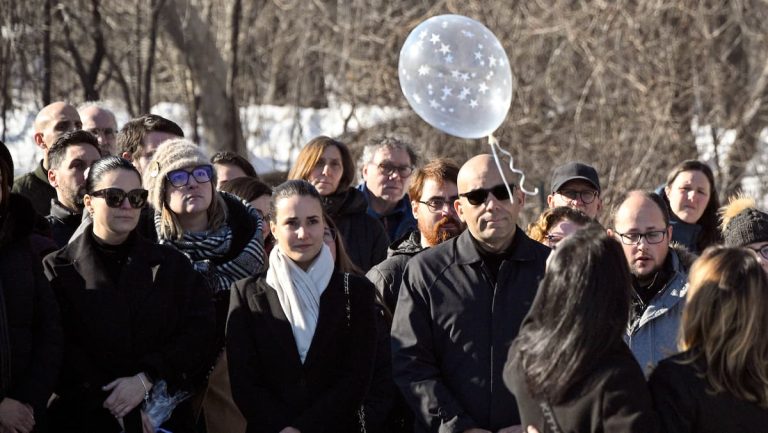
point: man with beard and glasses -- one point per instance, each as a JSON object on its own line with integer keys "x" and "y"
{"x": 69, "y": 158}
{"x": 659, "y": 276}
{"x": 460, "y": 306}
{"x": 432, "y": 194}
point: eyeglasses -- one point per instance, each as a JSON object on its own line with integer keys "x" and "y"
{"x": 107, "y": 132}
{"x": 114, "y": 197}
{"x": 436, "y": 205}
{"x": 763, "y": 251}
{"x": 329, "y": 234}
{"x": 653, "y": 237}
{"x": 586, "y": 196}
{"x": 388, "y": 169}
{"x": 201, "y": 173}
{"x": 479, "y": 196}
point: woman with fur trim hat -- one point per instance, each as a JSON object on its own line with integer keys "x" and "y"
{"x": 743, "y": 225}
{"x": 220, "y": 233}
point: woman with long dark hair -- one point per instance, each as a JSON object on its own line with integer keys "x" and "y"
{"x": 691, "y": 197}
{"x": 134, "y": 313}
{"x": 301, "y": 336}
{"x": 329, "y": 167}
{"x": 719, "y": 383}
{"x": 569, "y": 367}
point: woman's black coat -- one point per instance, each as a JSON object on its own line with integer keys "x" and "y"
{"x": 158, "y": 319}
{"x": 30, "y": 328}
{"x": 613, "y": 398}
{"x": 271, "y": 386}
{"x": 364, "y": 236}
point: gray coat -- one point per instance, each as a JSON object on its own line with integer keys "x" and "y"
{"x": 653, "y": 336}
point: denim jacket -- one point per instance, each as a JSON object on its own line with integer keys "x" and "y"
{"x": 653, "y": 336}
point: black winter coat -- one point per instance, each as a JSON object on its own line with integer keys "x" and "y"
{"x": 157, "y": 319}
{"x": 29, "y": 316}
{"x": 686, "y": 404}
{"x": 36, "y": 188}
{"x": 388, "y": 275}
{"x": 613, "y": 398}
{"x": 364, "y": 237}
{"x": 452, "y": 330}
{"x": 63, "y": 222}
{"x": 271, "y": 386}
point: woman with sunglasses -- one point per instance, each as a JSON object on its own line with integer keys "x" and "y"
{"x": 301, "y": 336}
{"x": 719, "y": 383}
{"x": 221, "y": 236}
{"x": 133, "y": 312}
{"x": 329, "y": 167}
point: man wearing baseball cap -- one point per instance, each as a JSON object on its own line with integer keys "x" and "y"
{"x": 576, "y": 185}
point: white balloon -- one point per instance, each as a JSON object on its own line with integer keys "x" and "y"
{"x": 456, "y": 76}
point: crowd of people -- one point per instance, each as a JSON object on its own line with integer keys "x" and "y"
{"x": 147, "y": 287}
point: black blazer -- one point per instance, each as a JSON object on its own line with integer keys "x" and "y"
{"x": 613, "y": 398}
{"x": 271, "y": 386}
{"x": 158, "y": 319}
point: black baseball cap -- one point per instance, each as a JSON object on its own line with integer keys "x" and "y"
{"x": 574, "y": 171}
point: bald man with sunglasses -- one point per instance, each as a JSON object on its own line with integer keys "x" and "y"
{"x": 460, "y": 306}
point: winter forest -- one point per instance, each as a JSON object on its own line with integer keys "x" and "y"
{"x": 631, "y": 87}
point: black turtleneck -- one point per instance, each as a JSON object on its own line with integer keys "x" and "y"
{"x": 114, "y": 257}
{"x": 492, "y": 261}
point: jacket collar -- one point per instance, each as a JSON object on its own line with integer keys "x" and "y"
{"x": 62, "y": 212}
{"x": 84, "y": 259}
{"x": 520, "y": 250}
{"x": 669, "y": 296}
{"x": 41, "y": 173}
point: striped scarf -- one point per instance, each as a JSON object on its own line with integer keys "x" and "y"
{"x": 205, "y": 248}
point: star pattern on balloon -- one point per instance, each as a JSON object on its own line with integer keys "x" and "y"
{"x": 464, "y": 71}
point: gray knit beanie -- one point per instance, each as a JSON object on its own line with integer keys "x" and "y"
{"x": 749, "y": 226}
{"x": 171, "y": 155}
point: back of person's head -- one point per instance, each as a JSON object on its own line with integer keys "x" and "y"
{"x": 232, "y": 158}
{"x": 6, "y": 176}
{"x": 247, "y": 188}
{"x": 725, "y": 321}
{"x": 312, "y": 152}
{"x": 440, "y": 170}
{"x": 708, "y": 221}
{"x": 57, "y": 153}
{"x": 130, "y": 139}
{"x": 743, "y": 223}
{"x": 539, "y": 229}
{"x": 579, "y": 314}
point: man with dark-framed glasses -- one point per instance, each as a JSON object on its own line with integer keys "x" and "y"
{"x": 460, "y": 306}
{"x": 386, "y": 167}
{"x": 576, "y": 185}
{"x": 659, "y": 276}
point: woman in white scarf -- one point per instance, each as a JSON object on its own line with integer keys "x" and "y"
{"x": 300, "y": 337}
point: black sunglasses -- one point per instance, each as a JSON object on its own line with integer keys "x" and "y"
{"x": 201, "y": 173}
{"x": 479, "y": 196}
{"x": 114, "y": 197}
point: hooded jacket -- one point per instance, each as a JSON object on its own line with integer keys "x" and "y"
{"x": 388, "y": 275}
{"x": 30, "y": 330}
{"x": 364, "y": 236}
{"x": 653, "y": 335}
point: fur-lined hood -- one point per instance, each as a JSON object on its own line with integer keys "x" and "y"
{"x": 684, "y": 254}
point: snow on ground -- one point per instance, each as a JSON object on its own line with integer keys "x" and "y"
{"x": 274, "y": 134}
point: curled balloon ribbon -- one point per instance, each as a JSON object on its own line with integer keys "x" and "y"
{"x": 495, "y": 145}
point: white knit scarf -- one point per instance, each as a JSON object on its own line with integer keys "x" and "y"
{"x": 299, "y": 292}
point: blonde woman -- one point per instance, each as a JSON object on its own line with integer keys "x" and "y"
{"x": 719, "y": 383}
